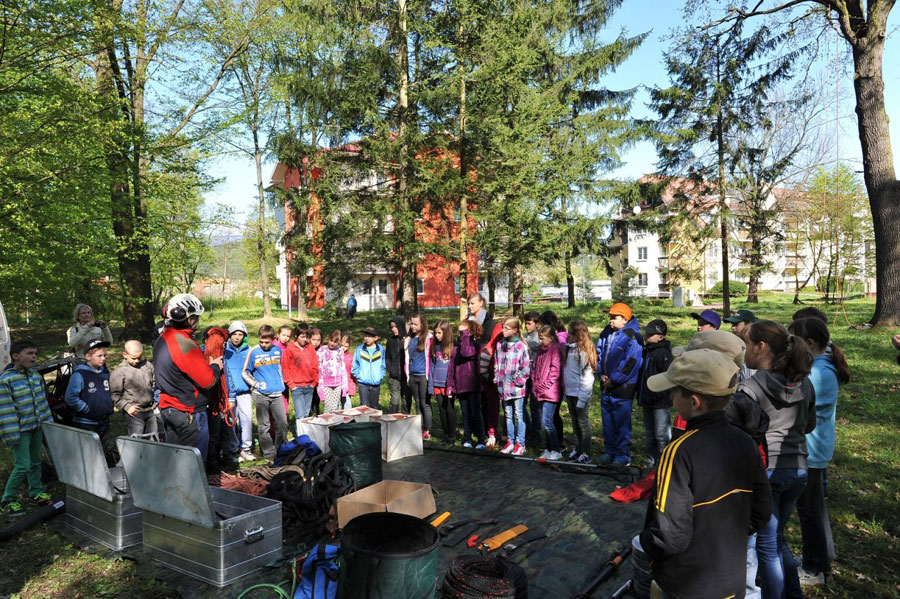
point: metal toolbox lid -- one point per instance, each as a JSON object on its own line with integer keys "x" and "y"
{"x": 78, "y": 459}
{"x": 167, "y": 479}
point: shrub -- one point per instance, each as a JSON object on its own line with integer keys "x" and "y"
{"x": 734, "y": 288}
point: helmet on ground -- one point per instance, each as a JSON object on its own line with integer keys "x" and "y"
{"x": 181, "y": 307}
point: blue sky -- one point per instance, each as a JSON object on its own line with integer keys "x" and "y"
{"x": 644, "y": 69}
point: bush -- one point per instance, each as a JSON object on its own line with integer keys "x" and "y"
{"x": 734, "y": 288}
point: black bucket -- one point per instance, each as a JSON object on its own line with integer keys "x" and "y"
{"x": 359, "y": 445}
{"x": 388, "y": 556}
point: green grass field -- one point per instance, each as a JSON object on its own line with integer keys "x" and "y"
{"x": 863, "y": 479}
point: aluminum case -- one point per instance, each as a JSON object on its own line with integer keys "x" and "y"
{"x": 99, "y": 505}
{"x": 212, "y": 534}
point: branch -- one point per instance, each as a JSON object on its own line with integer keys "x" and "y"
{"x": 162, "y": 32}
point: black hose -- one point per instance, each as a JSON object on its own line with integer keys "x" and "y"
{"x": 474, "y": 577}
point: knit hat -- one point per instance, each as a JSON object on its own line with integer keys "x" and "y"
{"x": 703, "y": 371}
{"x": 237, "y": 325}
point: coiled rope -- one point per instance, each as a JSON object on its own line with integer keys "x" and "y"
{"x": 474, "y": 577}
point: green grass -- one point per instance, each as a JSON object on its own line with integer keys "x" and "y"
{"x": 864, "y": 477}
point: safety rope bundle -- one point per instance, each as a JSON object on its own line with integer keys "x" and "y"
{"x": 250, "y": 486}
{"x": 474, "y": 577}
{"x": 215, "y": 348}
{"x": 309, "y": 501}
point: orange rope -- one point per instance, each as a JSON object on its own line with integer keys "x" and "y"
{"x": 250, "y": 486}
{"x": 215, "y": 348}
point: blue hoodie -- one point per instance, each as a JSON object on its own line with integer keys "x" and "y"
{"x": 619, "y": 356}
{"x": 820, "y": 442}
{"x": 369, "y": 364}
{"x": 234, "y": 367}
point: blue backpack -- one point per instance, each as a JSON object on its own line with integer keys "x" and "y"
{"x": 319, "y": 573}
{"x": 294, "y": 452}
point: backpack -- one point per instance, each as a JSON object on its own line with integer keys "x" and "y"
{"x": 295, "y": 451}
{"x": 319, "y": 573}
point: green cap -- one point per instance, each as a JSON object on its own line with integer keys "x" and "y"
{"x": 741, "y": 316}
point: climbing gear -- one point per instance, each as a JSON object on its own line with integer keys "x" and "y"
{"x": 607, "y": 569}
{"x": 496, "y": 541}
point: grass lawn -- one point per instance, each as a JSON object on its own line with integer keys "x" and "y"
{"x": 863, "y": 479}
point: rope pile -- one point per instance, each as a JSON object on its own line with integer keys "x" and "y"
{"x": 267, "y": 473}
{"x": 308, "y": 502}
{"x": 250, "y": 486}
{"x": 473, "y": 577}
{"x": 215, "y": 348}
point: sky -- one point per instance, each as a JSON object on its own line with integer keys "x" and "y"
{"x": 644, "y": 69}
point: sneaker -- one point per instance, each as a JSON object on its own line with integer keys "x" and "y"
{"x": 480, "y": 447}
{"x": 42, "y": 499}
{"x": 12, "y": 508}
{"x": 573, "y": 455}
{"x": 553, "y": 456}
{"x": 491, "y": 440}
{"x": 426, "y": 436}
{"x": 506, "y": 448}
{"x": 583, "y": 459}
{"x": 467, "y": 445}
{"x": 810, "y": 579}
{"x": 519, "y": 450}
{"x": 246, "y": 456}
{"x": 605, "y": 459}
{"x": 544, "y": 454}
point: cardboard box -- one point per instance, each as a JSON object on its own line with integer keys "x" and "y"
{"x": 316, "y": 427}
{"x": 396, "y": 496}
{"x": 401, "y": 435}
{"x": 361, "y": 413}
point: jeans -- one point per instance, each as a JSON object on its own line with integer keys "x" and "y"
{"x": 142, "y": 423}
{"x": 581, "y": 424}
{"x": 616, "y": 413}
{"x": 302, "y": 398}
{"x": 368, "y": 395}
{"x": 777, "y": 569}
{"x": 815, "y": 529}
{"x": 470, "y": 406}
{"x": 752, "y": 591}
{"x": 515, "y": 422}
{"x": 419, "y": 386}
{"x": 244, "y": 403}
{"x": 548, "y": 410}
{"x": 401, "y": 400}
{"x": 266, "y": 405}
{"x": 26, "y": 466}
{"x": 657, "y": 432}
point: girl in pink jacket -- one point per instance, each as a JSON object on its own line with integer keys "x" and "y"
{"x": 545, "y": 381}
{"x": 333, "y": 380}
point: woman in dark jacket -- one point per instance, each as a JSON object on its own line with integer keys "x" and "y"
{"x": 394, "y": 361}
{"x": 463, "y": 382}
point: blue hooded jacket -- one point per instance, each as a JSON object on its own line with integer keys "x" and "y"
{"x": 619, "y": 356}
{"x": 820, "y": 442}
{"x": 369, "y": 364}
{"x": 234, "y": 366}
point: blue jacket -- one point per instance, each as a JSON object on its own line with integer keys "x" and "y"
{"x": 88, "y": 395}
{"x": 440, "y": 368}
{"x": 820, "y": 442}
{"x": 619, "y": 357}
{"x": 234, "y": 366}
{"x": 369, "y": 364}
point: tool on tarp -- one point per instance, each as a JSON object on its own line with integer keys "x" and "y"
{"x": 460, "y": 531}
{"x": 530, "y": 536}
{"x": 606, "y": 571}
{"x": 497, "y": 541}
{"x": 440, "y": 519}
{"x": 622, "y": 590}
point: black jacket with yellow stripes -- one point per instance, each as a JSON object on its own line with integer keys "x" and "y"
{"x": 711, "y": 492}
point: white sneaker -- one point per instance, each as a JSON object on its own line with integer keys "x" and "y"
{"x": 246, "y": 456}
{"x": 545, "y": 455}
{"x": 467, "y": 445}
{"x": 810, "y": 579}
{"x": 553, "y": 456}
{"x": 506, "y": 448}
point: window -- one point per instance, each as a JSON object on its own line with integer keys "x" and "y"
{"x": 456, "y": 214}
{"x": 382, "y": 286}
{"x": 642, "y": 279}
{"x": 642, "y": 254}
{"x": 365, "y": 286}
{"x": 481, "y": 281}
{"x": 456, "y": 285}
{"x": 420, "y": 286}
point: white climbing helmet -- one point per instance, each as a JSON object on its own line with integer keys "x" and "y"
{"x": 181, "y": 307}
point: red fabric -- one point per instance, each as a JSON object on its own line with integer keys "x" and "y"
{"x": 180, "y": 369}
{"x": 639, "y": 490}
{"x": 215, "y": 348}
{"x": 351, "y": 382}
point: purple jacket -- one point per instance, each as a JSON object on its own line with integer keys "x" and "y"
{"x": 511, "y": 369}
{"x": 546, "y": 374}
{"x": 462, "y": 377}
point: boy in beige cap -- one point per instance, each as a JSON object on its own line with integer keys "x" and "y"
{"x": 710, "y": 489}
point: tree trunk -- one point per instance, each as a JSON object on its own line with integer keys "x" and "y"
{"x": 756, "y": 265}
{"x": 517, "y": 294}
{"x": 302, "y": 313}
{"x": 409, "y": 263}
{"x": 463, "y": 183}
{"x": 570, "y": 280}
{"x": 492, "y": 288}
{"x": 878, "y": 171}
{"x": 723, "y": 208}
{"x": 261, "y": 239}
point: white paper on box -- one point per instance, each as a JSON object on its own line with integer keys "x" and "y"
{"x": 317, "y": 428}
{"x": 361, "y": 413}
{"x": 401, "y": 435}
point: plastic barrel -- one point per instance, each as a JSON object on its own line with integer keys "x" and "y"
{"x": 388, "y": 556}
{"x": 641, "y": 575}
{"x": 358, "y": 444}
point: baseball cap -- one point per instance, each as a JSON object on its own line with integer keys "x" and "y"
{"x": 656, "y": 327}
{"x": 741, "y": 316}
{"x": 710, "y": 316}
{"x": 370, "y": 332}
{"x": 703, "y": 371}
{"x": 721, "y": 341}
{"x": 620, "y": 309}
{"x": 92, "y": 345}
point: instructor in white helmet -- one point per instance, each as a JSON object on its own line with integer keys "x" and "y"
{"x": 183, "y": 374}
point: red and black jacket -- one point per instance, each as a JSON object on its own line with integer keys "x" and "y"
{"x": 182, "y": 371}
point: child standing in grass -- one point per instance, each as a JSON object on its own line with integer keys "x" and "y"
{"x": 463, "y": 382}
{"x": 545, "y": 380}
{"x": 315, "y": 339}
{"x": 441, "y": 351}
{"x": 131, "y": 387}
{"x": 656, "y": 405}
{"x": 263, "y": 372}
{"x": 578, "y": 381}
{"x": 23, "y": 408}
{"x": 88, "y": 393}
{"x": 512, "y": 368}
{"x": 333, "y": 379}
{"x": 348, "y": 364}
{"x": 369, "y": 368}
{"x": 301, "y": 370}
{"x": 418, "y": 368}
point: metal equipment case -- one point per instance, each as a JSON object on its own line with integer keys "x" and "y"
{"x": 212, "y": 534}
{"x": 98, "y": 502}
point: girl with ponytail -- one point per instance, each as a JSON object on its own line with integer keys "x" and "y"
{"x": 783, "y": 390}
{"x": 829, "y": 371}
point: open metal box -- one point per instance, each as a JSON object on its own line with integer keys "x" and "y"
{"x": 98, "y": 502}
{"x": 212, "y": 534}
